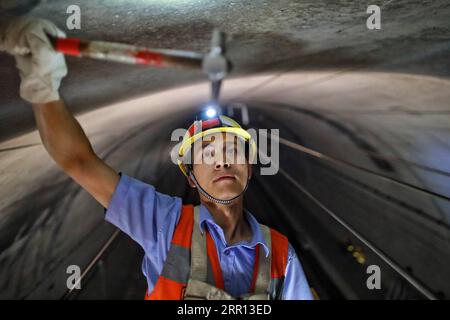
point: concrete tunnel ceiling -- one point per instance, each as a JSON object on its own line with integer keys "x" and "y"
{"x": 375, "y": 99}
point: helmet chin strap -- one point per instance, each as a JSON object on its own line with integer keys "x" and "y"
{"x": 213, "y": 199}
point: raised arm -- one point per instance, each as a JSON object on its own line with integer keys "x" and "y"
{"x": 68, "y": 145}
{"x": 41, "y": 70}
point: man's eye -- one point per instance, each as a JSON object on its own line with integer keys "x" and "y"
{"x": 208, "y": 152}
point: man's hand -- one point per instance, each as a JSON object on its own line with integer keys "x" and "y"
{"x": 41, "y": 68}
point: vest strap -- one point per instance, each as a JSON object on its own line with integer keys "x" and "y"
{"x": 264, "y": 264}
{"x": 198, "y": 290}
{"x": 198, "y": 250}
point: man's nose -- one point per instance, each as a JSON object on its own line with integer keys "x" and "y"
{"x": 222, "y": 163}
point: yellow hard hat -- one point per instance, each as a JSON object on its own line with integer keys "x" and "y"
{"x": 201, "y": 128}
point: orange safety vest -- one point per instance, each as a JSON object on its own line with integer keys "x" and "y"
{"x": 174, "y": 277}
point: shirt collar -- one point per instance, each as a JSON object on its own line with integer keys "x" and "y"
{"x": 257, "y": 236}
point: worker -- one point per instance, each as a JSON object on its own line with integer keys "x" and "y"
{"x": 216, "y": 250}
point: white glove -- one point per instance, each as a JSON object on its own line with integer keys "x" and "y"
{"x": 41, "y": 68}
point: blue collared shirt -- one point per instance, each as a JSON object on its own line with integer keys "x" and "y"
{"x": 150, "y": 218}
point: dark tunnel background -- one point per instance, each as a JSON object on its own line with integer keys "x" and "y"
{"x": 364, "y": 144}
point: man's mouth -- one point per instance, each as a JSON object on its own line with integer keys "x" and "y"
{"x": 224, "y": 177}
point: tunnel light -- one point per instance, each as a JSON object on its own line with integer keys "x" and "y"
{"x": 211, "y": 112}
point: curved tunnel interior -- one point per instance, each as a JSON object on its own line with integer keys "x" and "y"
{"x": 362, "y": 176}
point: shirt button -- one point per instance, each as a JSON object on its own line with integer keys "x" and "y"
{"x": 227, "y": 252}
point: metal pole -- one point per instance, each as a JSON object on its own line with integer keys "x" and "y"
{"x": 125, "y": 53}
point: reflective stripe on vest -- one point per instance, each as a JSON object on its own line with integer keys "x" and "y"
{"x": 172, "y": 282}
